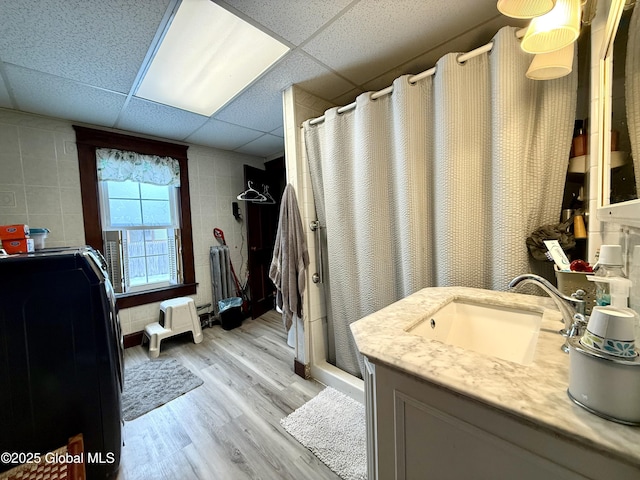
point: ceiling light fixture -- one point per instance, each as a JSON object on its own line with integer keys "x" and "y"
{"x": 207, "y": 56}
{"x": 525, "y": 8}
{"x": 548, "y": 66}
{"x": 554, "y": 30}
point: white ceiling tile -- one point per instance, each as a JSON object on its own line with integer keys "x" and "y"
{"x": 159, "y": 120}
{"x": 469, "y": 41}
{"x": 260, "y": 106}
{"x": 62, "y": 98}
{"x": 373, "y": 37}
{"x": 348, "y": 97}
{"x": 94, "y": 42}
{"x": 257, "y": 109}
{"x": 279, "y": 132}
{"x": 264, "y": 146}
{"x": 319, "y": 80}
{"x": 223, "y": 135}
{"x": 293, "y": 20}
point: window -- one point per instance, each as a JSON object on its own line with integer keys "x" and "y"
{"x": 141, "y": 234}
{"x": 164, "y": 211}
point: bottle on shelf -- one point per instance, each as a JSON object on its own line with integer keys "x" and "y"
{"x": 579, "y": 144}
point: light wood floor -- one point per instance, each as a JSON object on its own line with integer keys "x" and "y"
{"x": 228, "y": 428}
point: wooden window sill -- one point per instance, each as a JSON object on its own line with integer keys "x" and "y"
{"x": 128, "y": 300}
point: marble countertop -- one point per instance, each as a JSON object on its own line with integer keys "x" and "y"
{"x": 536, "y": 393}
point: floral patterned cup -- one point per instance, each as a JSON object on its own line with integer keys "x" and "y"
{"x": 618, "y": 348}
{"x": 611, "y": 330}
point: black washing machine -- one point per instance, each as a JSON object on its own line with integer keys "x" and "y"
{"x": 61, "y": 365}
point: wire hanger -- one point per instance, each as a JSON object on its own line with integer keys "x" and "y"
{"x": 252, "y": 195}
{"x": 269, "y": 199}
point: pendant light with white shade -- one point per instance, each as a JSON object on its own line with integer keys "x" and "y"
{"x": 548, "y": 66}
{"x": 525, "y": 8}
{"x": 554, "y": 30}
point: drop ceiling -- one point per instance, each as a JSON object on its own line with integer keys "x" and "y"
{"x": 80, "y": 60}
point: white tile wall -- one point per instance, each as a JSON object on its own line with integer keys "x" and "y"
{"x": 40, "y": 186}
{"x": 595, "y": 227}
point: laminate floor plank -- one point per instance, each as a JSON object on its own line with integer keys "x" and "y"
{"x": 269, "y": 457}
{"x": 257, "y": 365}
{"x": 229, "y": 427}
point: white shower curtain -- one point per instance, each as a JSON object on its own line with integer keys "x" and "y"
{"x": 438, "y": 183}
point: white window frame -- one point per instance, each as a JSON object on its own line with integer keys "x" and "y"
{"x": 120, "y": 278}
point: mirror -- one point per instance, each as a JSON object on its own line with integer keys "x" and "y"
{"x": 625, "y": 112}
{"x": 619, "y": 115}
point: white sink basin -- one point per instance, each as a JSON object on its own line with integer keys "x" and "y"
{"x": 503, "y": 332}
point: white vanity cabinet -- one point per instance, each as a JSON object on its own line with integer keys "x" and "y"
{"x": 423, "y": 431}
{"x": 437, "y": 411}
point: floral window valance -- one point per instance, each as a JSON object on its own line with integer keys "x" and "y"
{"x": 120, "y": 165}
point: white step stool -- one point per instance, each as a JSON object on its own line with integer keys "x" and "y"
{"x": 177, "y": 315}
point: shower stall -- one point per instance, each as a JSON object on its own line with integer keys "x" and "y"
{"x": 434, "y": 181}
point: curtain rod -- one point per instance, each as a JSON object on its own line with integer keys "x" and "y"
{"x": 420, "y": 76}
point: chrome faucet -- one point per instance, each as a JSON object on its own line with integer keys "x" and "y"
{"x": 572, "y": 308}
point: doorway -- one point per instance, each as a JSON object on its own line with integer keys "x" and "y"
{"x": 262, "y": 225}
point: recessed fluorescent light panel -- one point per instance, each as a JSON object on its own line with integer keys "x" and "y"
{"x": 207, "y": 57}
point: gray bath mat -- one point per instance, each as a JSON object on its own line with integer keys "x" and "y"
{"x": 151, "y": 384}
{"x": 332, "y": 426}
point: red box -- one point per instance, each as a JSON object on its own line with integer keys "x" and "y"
{"x": 18, "y": 245}
{"x": 11, "y": 232}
